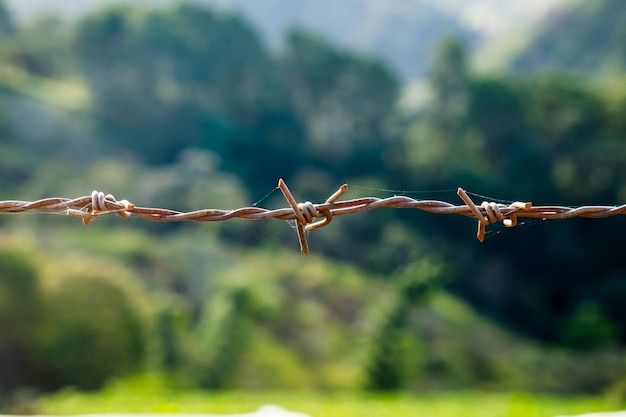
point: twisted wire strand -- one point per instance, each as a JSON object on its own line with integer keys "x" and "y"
{"x": 306, "y": 214}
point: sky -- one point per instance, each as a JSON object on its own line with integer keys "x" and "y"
{"x": 497, "y": 17}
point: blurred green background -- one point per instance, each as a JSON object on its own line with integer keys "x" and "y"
{"x": 194, "y": 105}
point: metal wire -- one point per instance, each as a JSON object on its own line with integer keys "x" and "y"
{"x": 307, "y": 214}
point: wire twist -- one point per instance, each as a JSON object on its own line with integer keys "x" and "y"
{"x": 306, "y": 214}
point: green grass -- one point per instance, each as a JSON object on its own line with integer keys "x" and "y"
{"x": 151, "y": 395}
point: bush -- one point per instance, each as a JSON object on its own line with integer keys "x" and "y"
{"x": 92, "y": 333}
{"x": 19, "y": 319}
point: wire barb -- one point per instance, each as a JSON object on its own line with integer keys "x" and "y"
{"x": 492, "y": 213}
{"x": 306, "y": 214}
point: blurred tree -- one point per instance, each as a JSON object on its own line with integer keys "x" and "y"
{"x": 7, "y": 26}
{"x": 9, "y": 152}
{"x": 20, "y": 319}
{"x": 389, "y": 364}
{"x": 387, "y": 369}
{"x": 92, "y": 333}
{"x": 548, "y": 138}
{"x": 570, "y": 123}
{"x": 442, "y": 149}
{"x": 228, "y": 343}
{"x": 124, "y": 93}
{"x": 345, "y": 101}
{"x": 42, "y": 47}
{"x": 496, "y": 118}
{"x": 450, "y": 81}
{"x": 167, "y": 80}
{"x": 168, "y": 339}
{"x": 12, "y": 154}
{"x": 584, "y": 37}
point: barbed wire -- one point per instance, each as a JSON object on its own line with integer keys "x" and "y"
{"x": 306, "y": 214}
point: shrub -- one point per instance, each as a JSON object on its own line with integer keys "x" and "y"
{"x": 92, "y": 333}
{"x": 19, "y": 319}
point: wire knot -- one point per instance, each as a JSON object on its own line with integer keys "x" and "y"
{"x": 310, "y": 213}
{"x": 493, "y": 212}
{"x": 101, "y": 203}
{"x": 307, "y": 212}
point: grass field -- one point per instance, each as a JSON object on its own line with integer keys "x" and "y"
{"x": 149, "y": 396}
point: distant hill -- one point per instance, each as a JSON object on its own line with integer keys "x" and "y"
{"x": 403, "y": 32}
{"x": 587, "y": 37}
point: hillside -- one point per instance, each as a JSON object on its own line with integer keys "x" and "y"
{"x": 254, "y": 323}
{"x": 403, "y": 33}
{"x": 597, "y": 46}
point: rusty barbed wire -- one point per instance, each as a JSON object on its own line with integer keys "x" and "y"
{"x": 306, "y": 214}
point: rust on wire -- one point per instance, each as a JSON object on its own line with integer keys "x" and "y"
{"x": 309, "y": 216}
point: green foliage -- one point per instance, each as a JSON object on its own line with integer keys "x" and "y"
{"x": 595, "y": 46}
{"x": 20, "y": 318}
{"x": 588, "y": 326}
{"x": 549, "y": 138}
{"x": 157, "y": 85}
{"x": 185, "y": 108}
{"x": 11, "y": 154}
{"x": 395, "y": 352}
{"x": 270, "y": 321}
{"x": 168, "y": 338}
{"x": 7, "y": 26}
{"x": 345, "y": 101}
{"x": 388, "y": 367}
{"x": 227, "y": 342}
{"x": 450, "y": 81}
{"x": 42, "y": 48}
{"x": 279, "y": 324}
{"x": 93, "y": 333}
